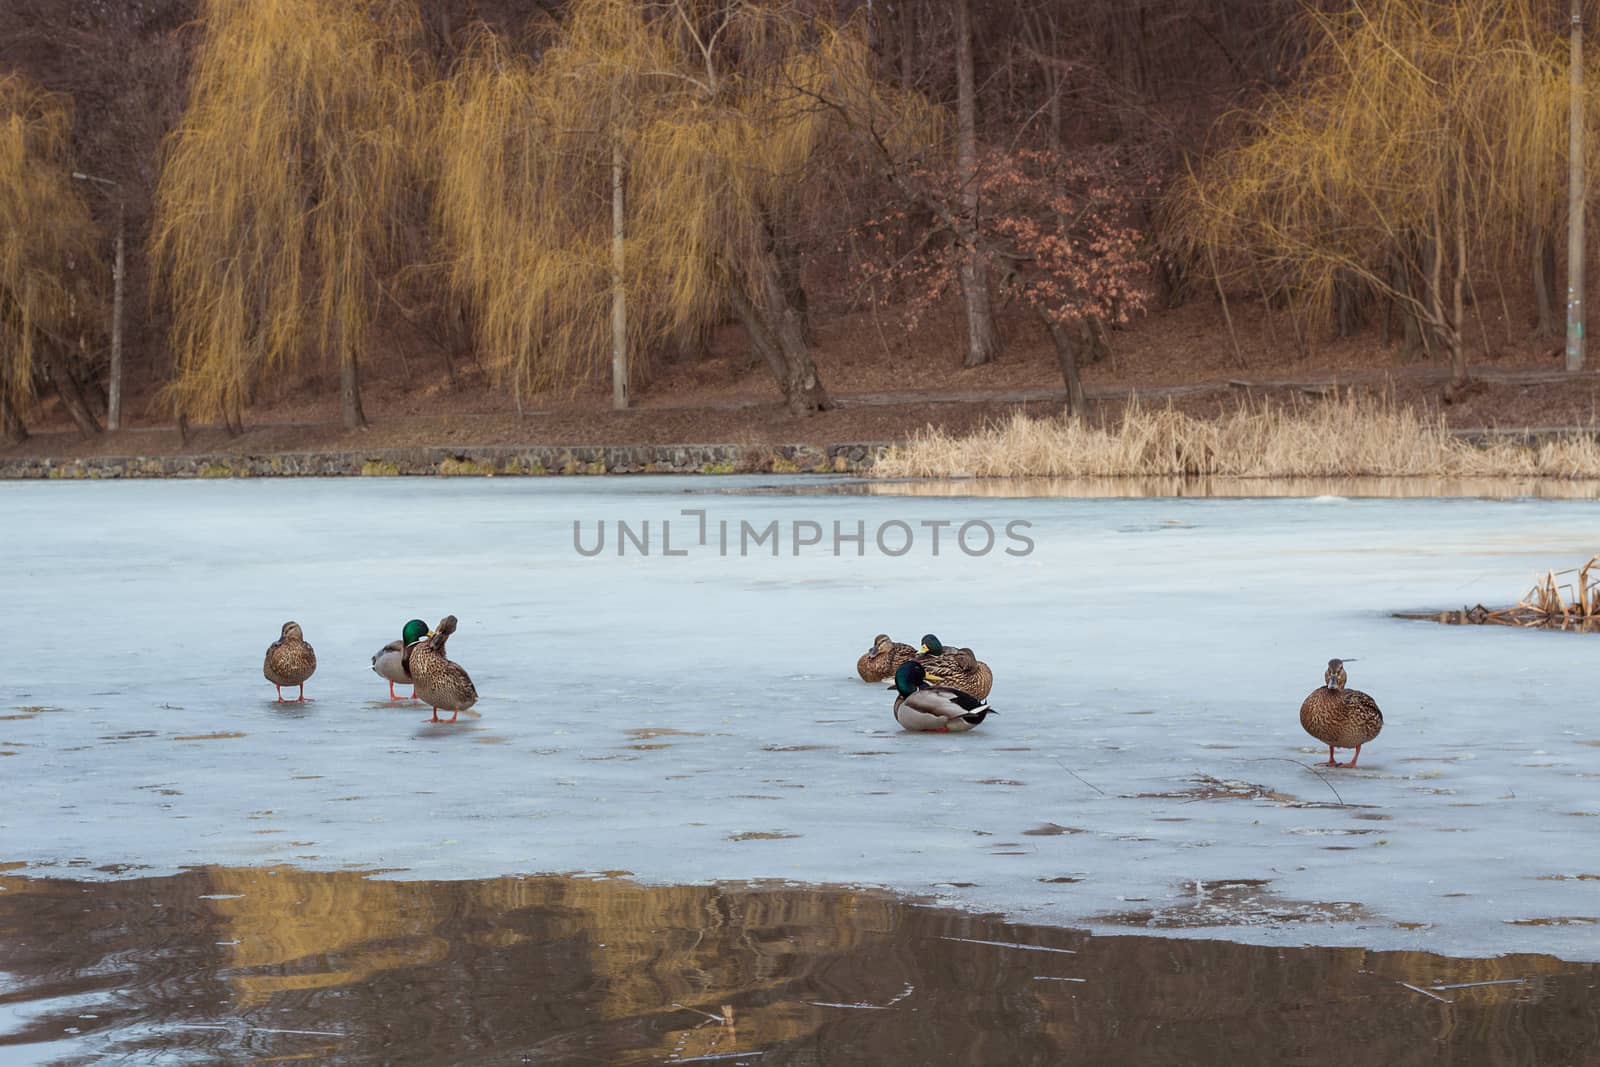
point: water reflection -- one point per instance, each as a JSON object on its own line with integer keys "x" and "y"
{"x": 228, "y": 964}
{"x": 1485, "y": 488}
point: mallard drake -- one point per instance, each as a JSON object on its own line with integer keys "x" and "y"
{"x": 956, "y": 667}
{"x": 934, "y": 708}
{"x": 883, "y": 659}
{"x": 1340, "y": 717}
{"x": 290, "y": 661}
{"x": 389, "y": 662}
{"x": 436, "y": 680}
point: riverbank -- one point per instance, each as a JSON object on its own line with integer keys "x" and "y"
{"x": 1527, "y": 407}
{"x": 481, "y": 461}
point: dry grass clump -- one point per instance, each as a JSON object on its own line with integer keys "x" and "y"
{"x": 1348, "y": 436}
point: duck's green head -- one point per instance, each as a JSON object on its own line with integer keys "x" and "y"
{"x": 931, "y": 645}
{"x": 415, "y": 631}
{"x": 909, "y": 678}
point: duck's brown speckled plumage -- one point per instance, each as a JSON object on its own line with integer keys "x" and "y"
{"x": 1340, "y": 717}
{"x": 883, "y": 659}
{"x": 439, "y": 682}
{"x": 290, "y": 661}
{"x": 960, "y": 669}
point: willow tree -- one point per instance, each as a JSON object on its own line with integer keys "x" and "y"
{"x": 712, "y": 109}
{"x": 47, "y": 256}
{"x": 1424, "y": 144}
{"x": 278, "y": 194}
{"x": 530, "y": 199}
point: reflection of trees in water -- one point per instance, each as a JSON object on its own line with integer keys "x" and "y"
{"x": 612, "y": 972}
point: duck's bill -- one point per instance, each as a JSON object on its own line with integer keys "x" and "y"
{"x": 935, "y": 678}
{"x": 922, "y": 648}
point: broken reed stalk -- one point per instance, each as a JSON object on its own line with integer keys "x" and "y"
{"x": 1549, "y": 603}
{"x": 1579, "y": 599}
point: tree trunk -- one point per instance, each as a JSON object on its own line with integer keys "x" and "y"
{"x": 1349, "y": 314}
{"x": 12, "y": 429}
{"x": 1067, "y": 356}
{"x": 983, "y": 344}
{"x": 1458, "y": 352}
{"x": 619, "y": 293}
{"x": 775, "y": 333}
{"x": 350, "y": 393}
{"x": 1544, "y": 283}
{"x": 1436, "y": 316}
{"x": 794, "y": 290}
{"x": 1053, "y": 82}
{"x": 71, "y": 393}
{"x": 233, "y": 417}
{"x": 1096, "y": 345}
{"x": 1400, "y": 274}
{"x": 1576, "y": 249}
{"x": 118, "y": 273}
{"x": 1222, "y": 297}
{"x": 908, "y": 44}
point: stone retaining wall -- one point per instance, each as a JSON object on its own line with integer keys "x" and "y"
{"x": 483, "y": 461}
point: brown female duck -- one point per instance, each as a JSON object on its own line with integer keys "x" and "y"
{"x": 437, "y": 681}
{"x": 883, "y": 659}
{"x": 956, "y": 667}
{"x": 1340, "y": 717}
{"x": 290, "y": 661}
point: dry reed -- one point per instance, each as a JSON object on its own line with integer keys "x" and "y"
{"x": 1349, "y": 436}
{"x": 1550, "y": 604}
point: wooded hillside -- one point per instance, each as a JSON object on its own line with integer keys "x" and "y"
{"x": 317, "y": 200}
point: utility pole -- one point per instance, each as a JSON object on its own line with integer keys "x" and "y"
{"x": 1575, "y": 198}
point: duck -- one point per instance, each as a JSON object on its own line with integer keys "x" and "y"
{"x": 290, "y": 661}
{"x": 958, "y": 667}
{"x": 925, "y": 708}
{"x": 1340, "y": 717}
{"x": 436, "y": 680}
{"x": 389, "y": 662}
{"x": 883, "y": 659}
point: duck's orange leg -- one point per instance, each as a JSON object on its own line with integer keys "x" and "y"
{"x": 1331, "y": 761}
{"x": 1353, "y": 759}
{"x": 279, "y": 688}
{"x": 301, "y": 699}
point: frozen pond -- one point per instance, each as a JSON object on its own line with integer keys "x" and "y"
{"x": 696, "y": 718}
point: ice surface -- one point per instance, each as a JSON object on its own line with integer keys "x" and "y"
{"x": 697, "y": 717}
